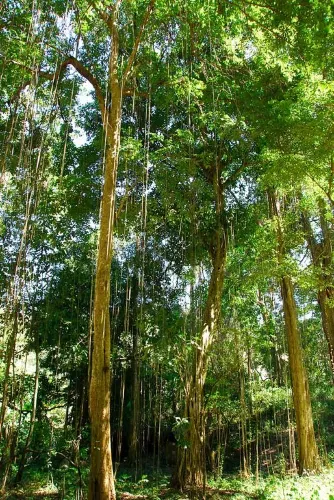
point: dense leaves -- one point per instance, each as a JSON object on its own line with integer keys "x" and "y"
{"x": 228, "y": 105}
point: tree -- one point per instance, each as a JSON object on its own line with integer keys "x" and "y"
{"x": 308, "y": 452}
{"x": 198, "y": 110}
{"x": 101, "y": 479}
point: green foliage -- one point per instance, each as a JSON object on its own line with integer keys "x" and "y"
{"x": 181, "y": 431}
{"x": 241, "y": 88}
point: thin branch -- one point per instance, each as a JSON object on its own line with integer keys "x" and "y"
{"x": 129, "y": 92}
{"x": 117, "y": 5}
{"x": 128, "y": 192}
{"x": 138, "y": 40}
{"x": 103, "y": 15}
{"x": 18, "y": 91}
{"x": 237, "y": 201}
{"x": 57, "y": 75}
{"x": 263, "y": 6}
{"x": 322, "y": 189}
{"x": 236, "y": 174}
{"x": 91, "y": 79}
{"x": 278, "y": 36}
{"x": 50, "y": 408}
{"x": 331, "y": 177}
{"x": 68, "y": 458}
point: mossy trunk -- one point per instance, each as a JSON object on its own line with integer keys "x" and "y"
{"x": 197, "y": 460}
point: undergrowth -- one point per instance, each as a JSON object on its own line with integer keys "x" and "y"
{"x": 65, "y": 484}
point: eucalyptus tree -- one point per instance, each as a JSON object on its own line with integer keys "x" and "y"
{"x": 303, "y": 156}
{"x": 313, "y": 143}
{"x": 285, "y": 167}
{"x": 83, "y": 23}
{"x": 296, "y": 151}
{"x": 321, "y": 254}
{"x": 308, "y": 451}
{"x": 198, "y": 91}
{"x": 210, "y": 146}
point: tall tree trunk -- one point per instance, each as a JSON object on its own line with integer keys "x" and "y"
{"x": 101, "y": 474}
{"x": 192, "y": 468}
{"x": 120, "y": 420}
{"x": 243, "y": 422}
{"x": 326, "y": 301}
{"x": 101, "y": 485}
{"x": 322, "y": 260}
{"x": 268, "y": 321}
{"x": 197, "y": 460}
{"x": 307, "y": 447}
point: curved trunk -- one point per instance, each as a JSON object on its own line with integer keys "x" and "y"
{"x": 191, "y": 469}
{"x": 197, "y": 460}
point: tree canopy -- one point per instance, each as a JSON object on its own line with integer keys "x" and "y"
{"x": 166, "y": 222}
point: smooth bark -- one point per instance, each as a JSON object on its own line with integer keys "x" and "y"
{"x": 102, "y": 485}
{"x": 322, "y": 260}
{"x": 101, "y": 474}
{"x": 307, "y": 447}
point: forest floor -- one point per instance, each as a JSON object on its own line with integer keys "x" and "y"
{"x": 64, "y": 485}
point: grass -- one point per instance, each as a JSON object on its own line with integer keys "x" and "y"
{"x": 318, "y": 487}
{"x": 63, "y": 484}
